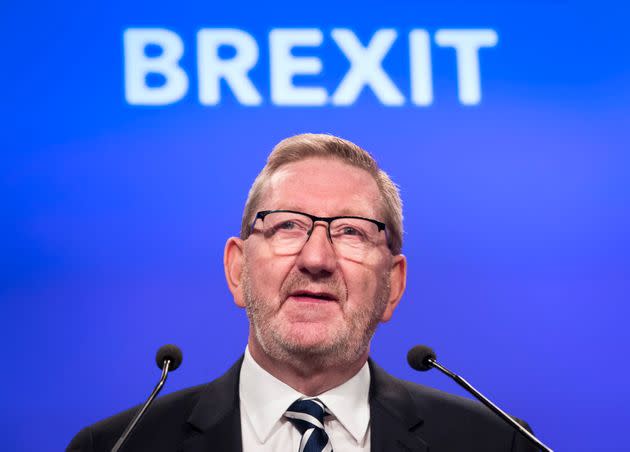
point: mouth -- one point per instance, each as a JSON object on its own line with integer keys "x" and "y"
{"x": 312, "y": 296}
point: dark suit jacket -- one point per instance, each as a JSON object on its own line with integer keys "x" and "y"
{"x": 404, "y": 417}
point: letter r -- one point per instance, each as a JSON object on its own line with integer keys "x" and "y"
{"x": 212, "y": 68}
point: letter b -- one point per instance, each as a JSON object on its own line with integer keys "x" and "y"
{"x": 138, "y": 65}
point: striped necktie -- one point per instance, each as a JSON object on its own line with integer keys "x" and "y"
{"x": 308, "y": 417}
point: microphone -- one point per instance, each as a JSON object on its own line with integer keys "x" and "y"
{"x": 423, "y": 358}
{"x": 420, "y": 357}
{"x": 168, "y": 358}
{"x": 169, "y": 352}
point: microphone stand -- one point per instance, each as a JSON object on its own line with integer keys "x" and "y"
{"x": 143, "y": 409}
{"x": 498, "y": 411}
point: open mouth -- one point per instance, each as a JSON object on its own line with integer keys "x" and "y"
{"x": 306, "y": 295}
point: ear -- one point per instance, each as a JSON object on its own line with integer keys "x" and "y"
{"x": 233, "y": 266}
{"x": 398, "y": 282}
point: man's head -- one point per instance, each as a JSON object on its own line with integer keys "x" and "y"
{"x": 316, "y": 288}
{"x": 309, "y": 145}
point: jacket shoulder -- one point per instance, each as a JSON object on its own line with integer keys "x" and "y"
{"x": 449, "y": 402}
{"x": 171, "y": 420}
{"x": 165, "y": 421}
{"x": 445, "y": 421}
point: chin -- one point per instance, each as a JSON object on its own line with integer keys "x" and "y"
{"x": 310, "y": 335}
{"x": 317, "y": 345}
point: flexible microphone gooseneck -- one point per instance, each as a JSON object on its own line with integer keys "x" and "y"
{"x": 423, "y": 358}
{"x": 168, "y": 358}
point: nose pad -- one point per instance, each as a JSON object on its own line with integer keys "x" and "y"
{"x": 325, "y": 225}
{"x": 318, "y": 256}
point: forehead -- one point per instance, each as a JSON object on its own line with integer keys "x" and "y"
{"x": 323, "y": 187}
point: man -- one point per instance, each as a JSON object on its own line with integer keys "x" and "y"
{"x": 317, "y": 267}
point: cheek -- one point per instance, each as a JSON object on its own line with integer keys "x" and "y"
{"x": 365, "y": 283}
{"x": 361, "y": 283}
{"x": 268, "y": 272}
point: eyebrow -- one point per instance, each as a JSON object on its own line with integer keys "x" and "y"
{"x": 341, "y": 213}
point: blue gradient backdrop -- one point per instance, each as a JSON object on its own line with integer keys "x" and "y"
{"x": 114, "y": 216}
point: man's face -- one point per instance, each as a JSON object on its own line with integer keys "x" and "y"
{"x": 315, "y": 303}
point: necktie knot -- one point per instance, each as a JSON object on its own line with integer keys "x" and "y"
{"x": 307, "y": 415}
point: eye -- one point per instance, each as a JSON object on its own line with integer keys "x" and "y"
{"x": 349, "y": 230}
{"x": 286, "y": 225}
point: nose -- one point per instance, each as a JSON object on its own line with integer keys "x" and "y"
{"x": 318, "y": 256}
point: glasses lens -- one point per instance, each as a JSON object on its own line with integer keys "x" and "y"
{"x": 287, "y": 232}
{"x": 354, "y": 237}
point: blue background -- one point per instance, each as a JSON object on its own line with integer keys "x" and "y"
{"x": 114, "y": 216}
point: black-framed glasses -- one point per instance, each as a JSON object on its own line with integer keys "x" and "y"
{"x": 288, "y": 231}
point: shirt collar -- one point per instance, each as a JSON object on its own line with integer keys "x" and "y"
{"x": 349, "y": 403}
{"x": 265, "y": 399}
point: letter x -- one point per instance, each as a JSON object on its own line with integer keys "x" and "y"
{"x": 365, "y": 68}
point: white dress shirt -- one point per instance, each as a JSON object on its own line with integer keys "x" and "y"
{"x": 264, "y": 400}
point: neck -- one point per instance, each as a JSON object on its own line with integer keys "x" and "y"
{"x": 307, "y": 374}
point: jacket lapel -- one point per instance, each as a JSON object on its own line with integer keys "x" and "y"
{"x": 216, "y": 419}
{"x": 394, "y": 418}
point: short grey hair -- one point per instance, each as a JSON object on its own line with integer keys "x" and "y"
{"x": 308, "y": 145}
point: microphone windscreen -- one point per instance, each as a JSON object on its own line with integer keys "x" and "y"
{"x": 418, "y": 357}
{"x": 170, "y": 352}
